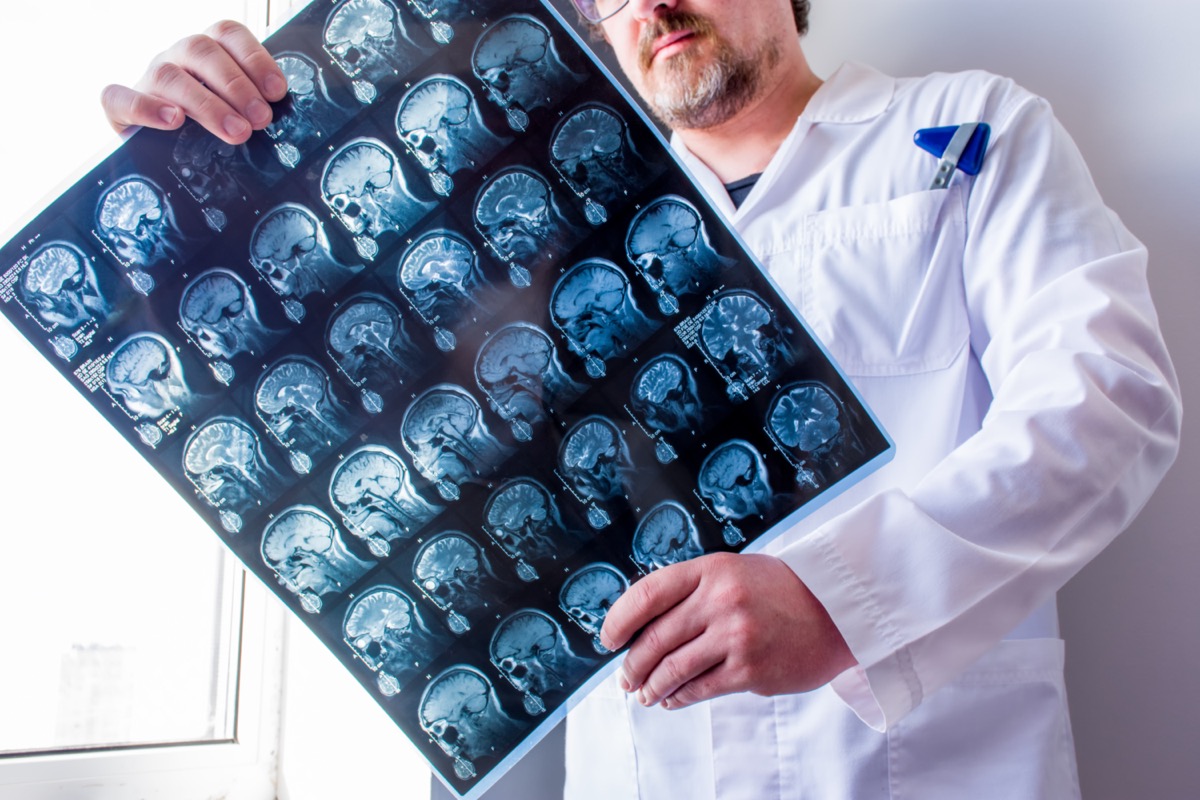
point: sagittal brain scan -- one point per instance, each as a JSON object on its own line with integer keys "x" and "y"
{"x": 311, "y": 114}
{"x": 439, "y": 273}
{"x": 219, "y": 314}
{"x": 462, "y": 714}
{"x": 531, "y": 652}
{"x": 136, "y": 222}
{"x": 290, "y": 250}
{"x": 665, "y": 395}
{"x": 450, "y": 443}
{"x": 366, "y": 338}
{"x": 365, "y": 188}
{"x": 145, "y": 375}
{"x": 223, "y": 458}
{"x": 295, "y": 400}
{"x": 367, "y": 39}
{"x": 60, "y": 286}
{"x": 809, "y": 423}
{"x": 666, "y": 535}
{"x": 373, "y": 492}
{"x": 594, "y": 308}
{"x": 453, "y": 572}
{"x": 587, "y": 596}
{"x": 595, "y": 460}
{"x": 592, "y": 151}
{"x": 385, "y": 629}
{"x": 519, "y": 371}
{"x": 523, "y": 519}
{"x": 733, "y": 479}
{"x": 518, "y": 215}
{"x": 442, "y": 14}
{"x": 308, "y": 555}
{"x": 743, "y": 339}
{"x": 439, "y": 122}
{"x": 520, "y": 67}
{"x": 669, "y": 245}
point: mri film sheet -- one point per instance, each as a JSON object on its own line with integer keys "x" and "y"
{"x": 449, "y": 356}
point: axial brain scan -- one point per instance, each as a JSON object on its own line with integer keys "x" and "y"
{"x": 365, "y": 188}
{"x": 294, "y": 398}
{"x": 595, "y": 460}
{"x": 453, "y": 572}
{"x": 669, "y": 245}
{"x": 665, "y": 394}
{"x": 666, "y": 535}
{"x": 519, "y": 371}
{"x": 308, "y": 555}
{"x": 742, "y": 337}
{"x": 372, "y": 490}
{"x": 516, "y": 213}
{"x": 450, "y": 444}
{"x": 592, "y": 151}
{"x": 461, "y": 713}
{"x": 367, "y": 39}
{"x": 218, "y": 312}
{"x": 734, "y": 480}
{"x": 224, "y": 459}
{"x": 144, "y": 373}
{"x": 289, "y": 248}
{"x": 531, "y": 652}
{"x": 587, "y": 596}
{"x": 367, "y": 339}
{"x": 523, "y": 519}
{"x": 386, "y": 631}
{"x": 594, "y": 308}
{"x": 439, "y": 273}
{"x": 520, "y": 68}
{"x": 136, "y": 221}
{"x": 60, "y": 286}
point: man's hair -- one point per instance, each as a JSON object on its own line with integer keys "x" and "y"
{"x": 800, "y": 9}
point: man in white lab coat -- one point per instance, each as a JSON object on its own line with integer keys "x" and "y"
{"x": 903, "y": 642}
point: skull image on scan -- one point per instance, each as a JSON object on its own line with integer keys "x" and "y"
{"x": 592, "y": 151}
{"x": 145, "y": 375}
{"x": 666, "y": 535}
{"x": 59, "y": 285}
{"x": 519, "y": 372}
{"x": 520, "y": 68}
{"x": 289, "y": 248}
{"x": 453, "y": 572}
{"x": 224, "y": 460}
{"x": 809, "y": 424}
{"x": 296, "y": 402}
{"x": 439, "y": 274}
{"x": 214, "y": 173}
{"x": 367, "y": 340}
{"x": 367, "y": 39}
{"x": 365, "y": 188}
{"x": 517, "y": 214}
{"x": 742, "y": 338}
{"x": 587, "y": 596}
{"x": 532, "y": 653}
{"x": 384, "y": 628}
{"x": 669, "y": 246}
{"x": 219, "y": 315}
{"x": 441, "y": 14}
{"x": 594, "y": 308}
{"x": 311, "y": 114}
{"x": 450, "y": 443}
{"x": 733, "y": 479}
{"x": 135, "y": 221}
{"x": 665, "y": 395}
{"x": 462, "y": 715}
{"x": 373, "y": 492}
{"x": 595, "y": 461}
{"x": 439, "y": 123}
{"x": 523, "y": 519}
{"x": 309, "y": 556}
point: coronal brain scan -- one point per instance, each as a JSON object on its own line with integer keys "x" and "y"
{"x": 665, "y": 394}
{"x": 386, "y": 631}
{"x": 452, "y": 570}
{"x": 523, "y": 519}
{"x": 520, "y": 68}
{"x": 224, "y": 459}
{"x": 519, "y": 371}
{"x": 807, "y": 420}
{"x": 595, "y": 460}
{"x": 517, "y": 214}
{"x": 450, "y": 444}
{"x": 373, "y": 492}
{"x": 594, "y": 308}
{"x": 592, "y": 151}
{"x": 308, "y": 555}
{"x": 366, "y": 337}
{"x": 669, "y": 245}
{"x": 439, "y": 272}
{"x": 734, "y": 480}
{"x": 742, "y": 338}
{"x": 219, "y": 314}
{"x": 135, "y": 219}
{"x": 144, "y": 373}
{"x": 439, "y": 122}
{"x": 666, "y": 535}
{"x": 365, "y": 188}
{"x": 290, "y": 250}
{"x": 587, "y": 596}
{"x": 60, "y": 286}
{"x": 367, "y": 39}
{"x": 531, "y": 652}
{"x": 462, "y": 715}
{"x": 295, "y": 400}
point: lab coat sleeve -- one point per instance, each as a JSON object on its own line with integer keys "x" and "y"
{"x": 1083, "y": 424}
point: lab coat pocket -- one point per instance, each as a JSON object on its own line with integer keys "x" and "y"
{"x": 884, "y": 287}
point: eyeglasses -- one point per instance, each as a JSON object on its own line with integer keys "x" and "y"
{"x": 599, "y": 10}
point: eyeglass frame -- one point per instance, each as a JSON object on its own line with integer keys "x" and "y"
{"x": 595, "y": 17}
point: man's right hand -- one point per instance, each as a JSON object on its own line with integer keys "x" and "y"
{"x": 223, "y": 78}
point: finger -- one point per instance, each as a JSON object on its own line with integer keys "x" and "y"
{"x": 679, "y": 668}
{"x": 650, "y": 597}
{"x": 717, "y": 680}
{"x": 126, "y": 108}
{"x": 657, "y": 641}
{"x": 207, "y": 61}
{"x": 253, "y": 59}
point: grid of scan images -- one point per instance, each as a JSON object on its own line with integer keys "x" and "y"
{"x": 448, "y": 355}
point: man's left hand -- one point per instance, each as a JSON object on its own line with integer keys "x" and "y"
{"x": 719, "y": 624}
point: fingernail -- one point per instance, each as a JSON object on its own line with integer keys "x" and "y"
{"x": 644, "y": 698}
{"x": 622, "y": 681}
{"x": 258, "y": 112}
{"x": 276, "y": 86}
{"x": 168, "y": 114}
{"x": 235, "y": 127}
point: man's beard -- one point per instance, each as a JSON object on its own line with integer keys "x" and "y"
{"x": 692, "y": 95}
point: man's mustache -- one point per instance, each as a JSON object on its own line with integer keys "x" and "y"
{"x": 672, "y": 22}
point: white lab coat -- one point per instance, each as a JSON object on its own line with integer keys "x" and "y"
{"x": 1003, "y": 332}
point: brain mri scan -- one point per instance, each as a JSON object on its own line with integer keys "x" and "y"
{"x": 587, "y": 596}
{"x": 520, "y": 67}
{"x": 385, "y": 630}
{"x": 295, "y": 399}
{"x": 666, "y": 535}
{"x": 594, "y": 308}
{"x": 145, "y": 375}
{"x": 439, "y": 123}
{"x": 669, "y": 245}
{"x": 311, "y": 113}
{"x": 367, "y": 39}
{"x": 219, "y": 314}
{"x": 214, "y": 173}
{"x": 743, "y": 339}
{"x": 532, "y": 653}
{"x": 665, "y": 395}
{"x": 734, "y": 481}
{"x": 223, "y": 458}
{"x": 523, "y": 519}
{"x": 289, "y": 248}
{"x": 365, "y": 188}
{"x": 442, "y": 14}
{"x": 135, "y": 220}
{"x": 519, "y": 217}
{"x": 809, "y": 424}
{"x": 309, "y": 557}
{"x": 519, "y": 372}
{"x": 439, "y": 273}
{"x": 60, "y": 286}
{"x": 450, "y": 443}
{"x": 462, "y": 715}
{"x": 592, "y": 151}
{"x": 453, "y": 572}
{"x": 366, "y": 338}
{"x": 595, "y": 460}
{"x": 373, "y": 492}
